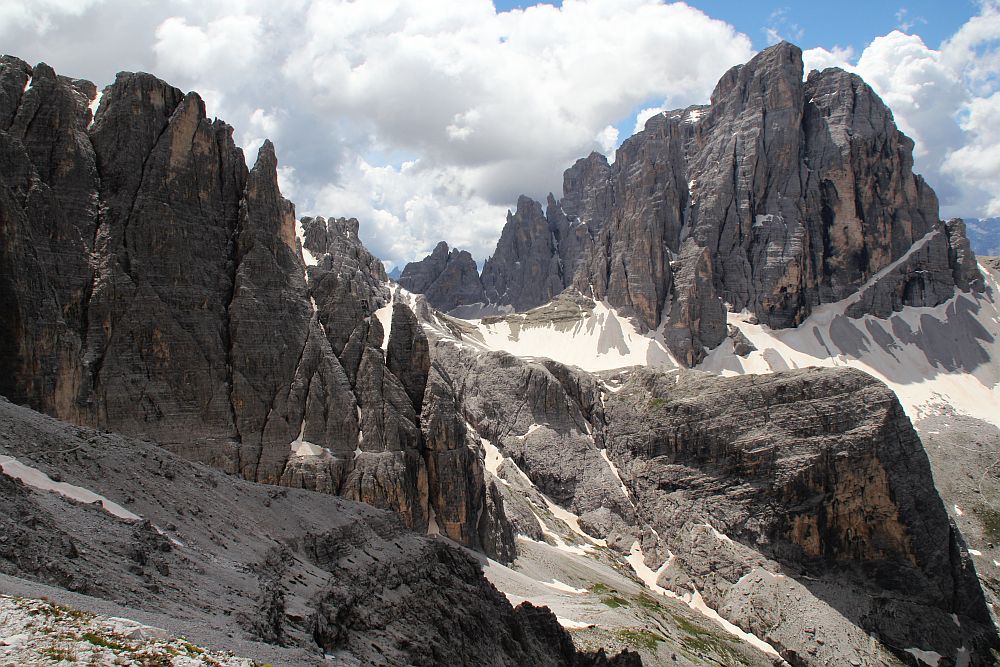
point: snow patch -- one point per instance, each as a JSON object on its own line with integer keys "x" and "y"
{"x": 931, "y": 658}
{"x": 910, "y": 367}
{"x": 307, "y": 257}
{"x": 571, "y": 520}
{"x": 599, "y": 340}
{"x": 572, "y": 625}
{"x": 975, "y": 552}
{"x": 693, "y": 600}
{"x": 531, "y": 429}
{"x": 494, "y": 459}
{"x": 719, "y": 536}
{"x": 614, "y": 471}
{"x": 37, "y": 479}
{"x": 958, "y": 511}
{"x": 301, "y": 447}
{"x": 432, "y": 524}
{"x": 693, "y": 116}
{"x": 94, "y": 104}
{"x": 566, "y": 588}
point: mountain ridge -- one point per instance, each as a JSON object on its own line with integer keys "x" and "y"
{"x": 162, "y": 289}
{"x": 779, "y": 196}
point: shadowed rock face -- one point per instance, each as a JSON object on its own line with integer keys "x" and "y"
{"x": 779, "y": 196}
{"x": 446, "y": 279}
{"x": 156, "y": 287}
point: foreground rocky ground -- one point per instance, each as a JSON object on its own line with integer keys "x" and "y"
{"x": 306, "y": 577}
{"x": 39, "y": 632}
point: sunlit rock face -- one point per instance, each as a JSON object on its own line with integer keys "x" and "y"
{"x": 780, "y": 195}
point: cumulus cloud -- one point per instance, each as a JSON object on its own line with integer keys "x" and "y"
{"x": 820, "y": 58}
{"x": 645, "y": 114}
{"x": 39, "y": 16}
{"x": 426, "y": 120}
{"x": 406, "y": 209}
{"x": 462, "y": 85}
{"x": 946, "y": 99}
{"x": 439, "y": 114}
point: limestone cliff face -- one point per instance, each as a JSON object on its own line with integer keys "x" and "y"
{"x": 156, "y": 287}
{"x": 778, "y": 196}
{"x": 446, "y": 279}
{"x": 810, "y": 482}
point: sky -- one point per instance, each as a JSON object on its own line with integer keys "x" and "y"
{"x": 425, "y": 119}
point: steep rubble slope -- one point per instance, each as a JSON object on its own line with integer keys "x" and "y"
{"x": 286, "y": 567}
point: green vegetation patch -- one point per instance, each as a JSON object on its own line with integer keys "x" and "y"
{"x": 648, "y": 602}
{"x": 609, "y": 596}
{"x": 58, "y": 654}
{"x": 702, "y": 642}
{"x": 103, "y": 642}
{"x": 991, "y": 521}
{"x": 614, "y": 601}
{"x": 640, "y": 638}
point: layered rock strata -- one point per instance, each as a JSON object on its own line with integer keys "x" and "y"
{"x": 780, "y": 195}
{"x": 446, "y": 278}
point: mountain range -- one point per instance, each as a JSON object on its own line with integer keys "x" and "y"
{"x": 730, "y": 400}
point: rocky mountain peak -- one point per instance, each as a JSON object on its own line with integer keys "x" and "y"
{"x": 779, "y": 196}
{"x": 447, "y": 278}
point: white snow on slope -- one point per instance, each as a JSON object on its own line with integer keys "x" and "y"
{"x": 926, "y": 657}
{"x": 37, "y": 479}
{"x": 566, "y": 588}
{"x": 301, "y": 447}
{"x": 599, "y": 340}
{"x": 933, "y": 358}
{"x": 307, "y": 257}
{"x": 614, "y": 471}
{"x": 384, "y": 314}
{"x": 694, "y": 600}
{"x": 495, "y": 459}
{"x": 94, "y": 104}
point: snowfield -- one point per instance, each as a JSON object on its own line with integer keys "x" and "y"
{"x": 935, "y": 359}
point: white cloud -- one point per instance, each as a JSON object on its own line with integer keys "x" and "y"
{"x": 405, "y": 209}
{"x": 946, "y": 100}
{"x": 645, "y": 114}
{"x": 39, "y": 15}
{"x": 607, "y": 139}
{"x": 819, "y": 58}
{"x": 780, "y": 26}
{"x": 907, "y": 22}
{"x": 977, "y": 162}
{"x": 427, "y": 119}
{"x": 464, "y": 86}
